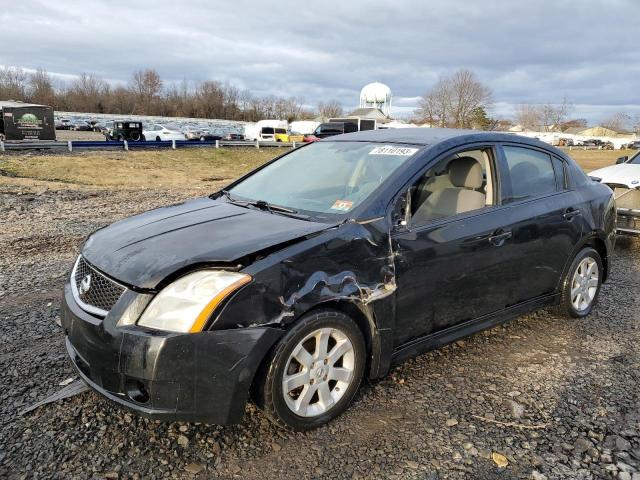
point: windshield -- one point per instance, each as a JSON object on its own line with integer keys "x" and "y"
{"x": 635, "y": 159}
{"x": 324, "y": 177}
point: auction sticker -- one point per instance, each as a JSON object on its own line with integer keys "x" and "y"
{"x": 342, "y": 205}
{"x": 389, "y": 150}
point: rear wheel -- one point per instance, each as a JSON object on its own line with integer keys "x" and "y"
{"x": 314, "y": 371}
{"x": 581, "y": 286}
{"x": 158, "y": 139}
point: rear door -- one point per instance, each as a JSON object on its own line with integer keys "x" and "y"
{"x": 544, "y": 214}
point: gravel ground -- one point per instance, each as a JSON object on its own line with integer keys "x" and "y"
{"x": 546, "y": 397}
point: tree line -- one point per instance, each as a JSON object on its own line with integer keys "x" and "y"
{"x": 147, "y": 94}
{"x": 460, "y": 100}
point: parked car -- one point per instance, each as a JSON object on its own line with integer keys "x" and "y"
{"x": 326, "y": 266}
{"x": 330, "y": 129}
{"x": 160, "y": 133}
{"x": 63, "y": 124}
{"x": 192, "y": 133}
{"x": 288, "y": 136}
{"x": 210, "y": 136}
{"x": 81, "y": 126}
{"x": 233, "y": 136}
{"x": 624, "y": 179}
{"x": 124, "y": 130}
{"x": 631, "y": 146}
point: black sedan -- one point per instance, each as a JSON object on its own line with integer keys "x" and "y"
{"x": 210, "y": 136}
{"x": 326, "y": 266}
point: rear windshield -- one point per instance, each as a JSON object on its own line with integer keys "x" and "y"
{"x": 325, "y": 178}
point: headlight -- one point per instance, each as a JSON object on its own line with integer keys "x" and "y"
{"x": 186, "y": 304}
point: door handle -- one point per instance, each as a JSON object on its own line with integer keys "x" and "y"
{"x": 498, "y": 238}
{"x": 570, "y": 213}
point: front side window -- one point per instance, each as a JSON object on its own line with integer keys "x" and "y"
{"x": 529, "y": 173}
{"x": 324, "y": 178}
{"x": 460, "y": 183}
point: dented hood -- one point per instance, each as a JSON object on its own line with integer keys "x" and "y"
{"x": 144, "y": 249}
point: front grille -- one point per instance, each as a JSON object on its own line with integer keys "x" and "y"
{"x": 93, "y": 291}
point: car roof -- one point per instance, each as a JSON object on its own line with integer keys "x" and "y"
{"x": 430, "y": 136}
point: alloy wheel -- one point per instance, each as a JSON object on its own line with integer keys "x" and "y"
{"x": 318, "y": 372}
{"x": 584, "y": 284}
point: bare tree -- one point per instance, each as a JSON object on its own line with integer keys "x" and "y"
{"x": 528, "y": 116}
{"x": 41, "y": 88}
{"x": 619, "y": 122}
{"x": 13, "y": 83}
{"x": 467, "y": 95}
{"x": 553, "y": 115}
{"x": 146, "y": 86}
{"x": 454, "y": 101}
{"x": 86, "y": 94}
{"x": 330, "y": 109}
{"x": 434, "y": 107}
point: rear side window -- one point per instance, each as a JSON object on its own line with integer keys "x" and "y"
{"x": 529, "y": 173}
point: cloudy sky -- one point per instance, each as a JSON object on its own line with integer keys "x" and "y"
{"x": 527, "y": 52}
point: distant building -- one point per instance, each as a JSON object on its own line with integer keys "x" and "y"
{"x": 370, "y": 113}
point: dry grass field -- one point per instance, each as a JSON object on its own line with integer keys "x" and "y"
{"x": 192, "y": 168}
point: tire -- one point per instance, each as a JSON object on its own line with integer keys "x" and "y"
{"x": 143, "y": 139}
{"x": 342, "y": 335}
{"x": 120, "y": 138}
{"x": 158, "y": 139}
{"x": 135, "y": 136}
{"x": 582, "y": 266}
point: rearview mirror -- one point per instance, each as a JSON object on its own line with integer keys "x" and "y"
{"x": 622, "y": 160}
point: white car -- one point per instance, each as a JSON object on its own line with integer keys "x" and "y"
{"x": 156, "y": 132}
{"x": 624, "y": 179}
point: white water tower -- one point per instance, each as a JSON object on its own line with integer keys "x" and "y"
{"x": 376, "y": 95}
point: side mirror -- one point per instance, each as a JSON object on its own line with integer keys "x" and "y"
{"x": 595, "y": 179}
{"x": 402, "y": 212}
{"x": 622, "y": 160}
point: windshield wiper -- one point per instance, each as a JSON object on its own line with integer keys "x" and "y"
{"x": 264, "y": 205}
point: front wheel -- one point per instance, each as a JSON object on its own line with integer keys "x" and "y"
{"x": 581, "y": 286}
{"x": 314, "y": 371}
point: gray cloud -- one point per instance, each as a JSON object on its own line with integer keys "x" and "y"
{"x": 534, "y": 51}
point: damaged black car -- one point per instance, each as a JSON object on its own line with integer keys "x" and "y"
{"x": 326, "y": 266}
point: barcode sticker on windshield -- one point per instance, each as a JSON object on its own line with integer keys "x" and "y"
{"x": 388, "y": 150}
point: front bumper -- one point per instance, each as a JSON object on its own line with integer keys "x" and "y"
{"x": 203, "y": 377}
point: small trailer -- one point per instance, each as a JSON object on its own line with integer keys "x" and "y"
{"x": 26, "y": 121}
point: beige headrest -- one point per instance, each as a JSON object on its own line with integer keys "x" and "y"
{"x": 465, "y": 172}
